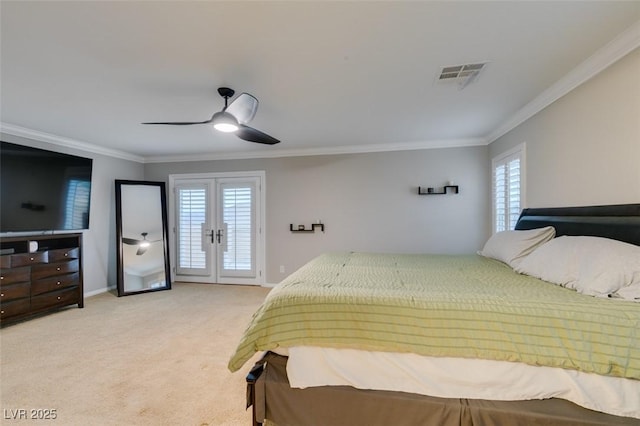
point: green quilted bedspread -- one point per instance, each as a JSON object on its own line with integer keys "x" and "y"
{"x": 442, "y": 305}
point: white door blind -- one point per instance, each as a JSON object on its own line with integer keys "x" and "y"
{"x": 238, "y": 218}
{"x": 192, "y": 217}
{"x": 507, "y": 191}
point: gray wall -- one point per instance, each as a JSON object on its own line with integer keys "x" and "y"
{"x": 584, "y": 149}
{"x": 368, "y": 202}
{"x": 99, "y": 241}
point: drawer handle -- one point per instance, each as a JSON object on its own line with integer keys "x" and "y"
{"x": 66, "y": 254}
{"x": 1, "y": 312}
{"x": 58, "y": 283}
{"x": 58, "y": 268}
{"x": 59, "y": 298}
{"x": 1, "y": 294}
{"x": 1, "y": 278}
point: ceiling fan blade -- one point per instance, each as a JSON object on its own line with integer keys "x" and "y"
{"x": 243, "y": 108}
{"x": 252, "y": 135}
{"x": 180, "y": 123}
{"x": 130, "y": 241}
{"x": 141, "y": 250}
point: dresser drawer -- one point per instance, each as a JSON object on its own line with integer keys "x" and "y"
{"x": 16, "y": 275}
{"x": 63, "y": 297}
{"x": 14, "y": 291}
{"x": 61, "y": 255}
{"x": 54, "y": 283}
{"x": 16, "y": 307}
{"x": 52, "y": 269}
{"x": 25, "y": 259}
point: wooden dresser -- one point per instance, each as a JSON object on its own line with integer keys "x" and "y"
{"x": 41, "y": 281}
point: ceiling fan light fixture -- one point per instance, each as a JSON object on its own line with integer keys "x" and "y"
{"x": 144, "y": 243}
{"x": 225, "y": 122}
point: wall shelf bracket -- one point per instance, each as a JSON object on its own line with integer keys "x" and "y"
{"x": 452, "y": 189}
{"x": 302, "y": 228}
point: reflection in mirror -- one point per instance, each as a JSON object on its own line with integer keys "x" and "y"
{"x": 141, "y": 222}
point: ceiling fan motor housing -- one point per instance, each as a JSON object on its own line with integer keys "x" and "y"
{"x": 226, "y": 92}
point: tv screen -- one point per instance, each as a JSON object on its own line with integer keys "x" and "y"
{"x": 43, "y": 190}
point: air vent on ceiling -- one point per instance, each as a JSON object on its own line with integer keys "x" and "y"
{"x": 462, "y": 74}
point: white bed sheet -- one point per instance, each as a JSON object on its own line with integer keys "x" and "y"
{"x": 459, "y": 378}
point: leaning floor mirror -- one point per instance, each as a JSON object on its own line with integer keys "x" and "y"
{"x": 142, "y": 243}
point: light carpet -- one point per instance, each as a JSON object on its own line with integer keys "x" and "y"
{"x": 150, "y": 359}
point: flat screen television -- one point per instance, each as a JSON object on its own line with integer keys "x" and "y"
{"x": 43, "y": 190}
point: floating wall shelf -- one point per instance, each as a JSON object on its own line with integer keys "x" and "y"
{"x": 435, "y": 191}
{"x": 301, "y": 228}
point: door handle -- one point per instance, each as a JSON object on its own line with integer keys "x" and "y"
{"x": 215, "y": 235}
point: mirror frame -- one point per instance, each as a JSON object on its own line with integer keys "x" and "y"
{"x": 119, "y": 184}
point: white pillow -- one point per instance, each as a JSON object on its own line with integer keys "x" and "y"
{"x": 630, "y": 292}
{"x": 591, "y": 265}
{"x": 511, "y": 247}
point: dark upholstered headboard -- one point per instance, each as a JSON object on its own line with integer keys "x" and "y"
{"x": 619, "y": 222}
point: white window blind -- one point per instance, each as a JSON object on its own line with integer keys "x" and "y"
{"x": 508, "y": 189}
{"x": 237, "y": 215}
{"x": 192, "y": 213}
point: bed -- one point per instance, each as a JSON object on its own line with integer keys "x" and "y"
{"x": 501, "y": 337}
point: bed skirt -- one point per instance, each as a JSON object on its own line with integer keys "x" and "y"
{"x": 274, "y": 401}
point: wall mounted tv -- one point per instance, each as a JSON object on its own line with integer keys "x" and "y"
{"x": 43, "y": 190}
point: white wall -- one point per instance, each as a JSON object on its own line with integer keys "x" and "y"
{"x": 584, "y": 149}
{"x": 99, "y": 241}
{"x": 368, "y": 202}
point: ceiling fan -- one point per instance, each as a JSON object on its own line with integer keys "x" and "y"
{"x": 233, "y": 118}
{"x": 142, "y": 244}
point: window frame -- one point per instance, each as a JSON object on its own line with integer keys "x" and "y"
{"x": 504, "y": 158}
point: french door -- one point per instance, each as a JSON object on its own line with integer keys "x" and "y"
{"x": 217, "y": 224}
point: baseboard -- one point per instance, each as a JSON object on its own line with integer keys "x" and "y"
{"x": 99, "y": 291}
{"x": 105, "y": 290}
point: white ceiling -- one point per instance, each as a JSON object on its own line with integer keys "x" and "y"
{"x": 330, "y": 76}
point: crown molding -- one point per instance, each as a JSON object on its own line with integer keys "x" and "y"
{"x": 336, "y": 150}
{"x": 19, "y": 131}
{"x": 619, "y": 47}
{"x": 12, "y": 129}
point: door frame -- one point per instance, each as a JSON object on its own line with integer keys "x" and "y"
{"x": 260, "y": 223}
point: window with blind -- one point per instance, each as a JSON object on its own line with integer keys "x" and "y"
{"x": 238, "y": 212}
{"x": 508, "y": 188}
{"x": 192, "y": 215}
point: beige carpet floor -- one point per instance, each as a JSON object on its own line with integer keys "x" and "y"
{"x": 150, "y": 359}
